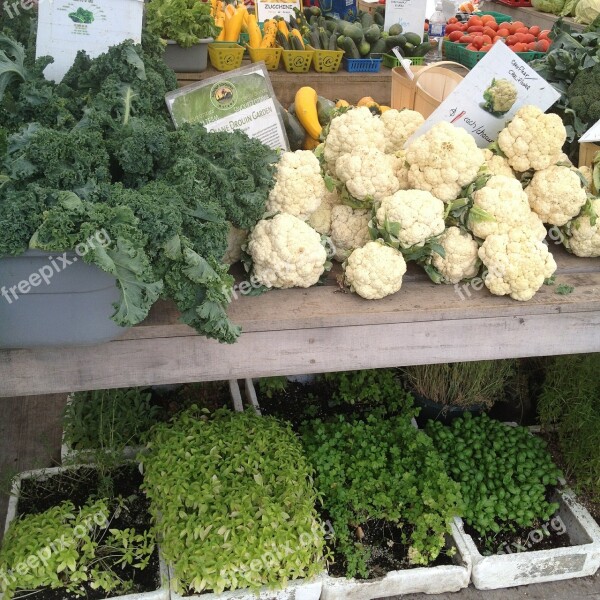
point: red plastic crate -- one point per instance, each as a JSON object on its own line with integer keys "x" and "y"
{"x": 515, "y": 3}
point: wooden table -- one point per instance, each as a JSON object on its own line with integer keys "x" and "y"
{"x": 349, "y": 86}
{"x": 531, "y": 17}
{"x": 324, "y": 329}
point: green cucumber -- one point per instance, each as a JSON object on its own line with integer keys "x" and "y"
{"x": 422, "y": 49}
{"x": 395, "y": 29}
{"x": 355, "y": 32}
{"x": 378, "y": 47}
{"x": 364, "y": 48}
{"x": 366, "y": 20}
{"x": 379, "y": 19}
{"x": 395, "y": 40}
{"x": 372, "y": 34}
{"x": 413, "y": 38}
{"x": 350, "y": 48}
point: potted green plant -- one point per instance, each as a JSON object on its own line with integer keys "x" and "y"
{"x": 234, "y": 506}
{"x": 66, "y": 533}
{"x": 520, "y": 525}
{"x": 392, "y": 507}
{"x": 445, "y": 391}
{"x": 94, "y": 166}
{"x": 188, "y": 27}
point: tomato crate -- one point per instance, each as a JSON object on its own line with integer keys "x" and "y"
{"x": 451, "y": 50}
{"x": 469, "y": 58}
{"x": 390, "y": 61}
{"x": 362, "y": 65}
{"x": 515, "y": 3}
{"x": 500, "y": 17}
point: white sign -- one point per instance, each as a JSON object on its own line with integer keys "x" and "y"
{"x": 268, "y": 10}
{"x": 477, "y": 104}
{"x": 242, "y": 99}
{"x": 592, "y": 134}
{"x": 410, "y": 14}
{"x": 67, "y": 26}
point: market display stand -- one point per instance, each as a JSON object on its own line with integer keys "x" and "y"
{"x": 327, "y": 329}
{"x": 531, "y": 17}
{"x": 349, "y": 86}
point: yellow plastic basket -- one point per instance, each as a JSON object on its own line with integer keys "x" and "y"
{"x": 270, "y": 56}
{"x": 326, "y": 61}
{"x": 225, "y": 56}
{"x": 297, "y": 61}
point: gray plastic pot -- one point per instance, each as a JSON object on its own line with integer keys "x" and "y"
{"x": 44, "y": 301}
{"x": 187, "y": 60}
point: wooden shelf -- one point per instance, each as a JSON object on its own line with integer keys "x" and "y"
{"x": 350, "y": 86}
{"x": 324, "y": 329}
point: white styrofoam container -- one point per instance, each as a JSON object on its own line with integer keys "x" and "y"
{"x": 162, "y": 593}
{"x": 421, "y": 580}
{"x": 69, "y": 456}
{"x": 299, "y": 589}
{"x": 538, "y": 566}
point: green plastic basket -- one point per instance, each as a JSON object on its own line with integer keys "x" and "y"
{"x": 390, "y": 61}
{"x": 500, "y": 17}
{"x": 469, "y": 58}
{"x": 451, "y": 50}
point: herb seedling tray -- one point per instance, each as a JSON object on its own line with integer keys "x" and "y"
{"x": 162, "y": 593}
{"x": 538, "y": 566}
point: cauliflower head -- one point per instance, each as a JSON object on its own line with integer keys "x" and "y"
{"x": 461, "y": 260}
{"x": 443, "y": 160}
{"x": 500, "y": 96}
{"x": 356, "y": 128}
{"x": 582, "y": 238}
{"x": 419, "y": 216}
{"x": 375, "y": 271}
{"x": 368, "y": 173}
{"x": 236, "y": 238}
{"x": 349, "y": 230}
{"x": 399, "y": 126}
{"x": 516, "y": 263}
{"x": 532, "y": 140}
{"x": 497, "y": 165}
{"x": 504, "y": 200}
{"x": 320, "y": 220}
{"x": 556, "y": 194}
{"x": 286, "y": 252}
{"x": 299, "y": 187}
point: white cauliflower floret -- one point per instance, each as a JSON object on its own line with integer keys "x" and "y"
{"x": 299, "y": 187}
{"x": 375, "y": 271}
{"x": 461, "y": 260}
{"x": 235, "y": 240}
{"x": 419, "y": 214}
{"x": 399, "y": 126}
{"x": 532, "y": 140}
{"x": 504, "y": 200}
{"x": 583, "y": 238}
{"x": 497, "y": 165}
{"x": 556, "y": 194}
{"x": 286, "y": 252}
{"x": 349, "y": 230}
{"x": 516, "y": 263}
{"x": 320, "y": 220}
{"x": 401, "y": 170}
{"x": 368, "y": 173}
{"x": 357, "y": 128}
{"x": 443, "y": 160}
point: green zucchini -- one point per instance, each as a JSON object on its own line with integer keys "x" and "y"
{"x": 294, "y": 130}
{"x": 366, "y": 20}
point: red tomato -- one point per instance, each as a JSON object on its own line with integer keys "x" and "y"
{"x": 503, "y": 32}
{"x": 522, "y": 30}
{"x": 487, "y": 39}
{"x": 478, "y": 42}
{"x": 543, "y": 45}
{"x": 452, "y": 28}
{"x": 515, "y": 26}
{"x": 475, "y": 29}
{"x": 535, "y": 30}
{"x": 519, "y": 47}
{"x": 466, "y": 39}
{"x": 544, "y": 35}
{"x": 520, "y": 37}
{"x": 471, "y": 47}
{"x": 486, "y": 48}
{"x": 452, "y": 20}
{"x": 489, "y": 31}
{"x": 511, "y": 40}
{"x": 474, "y": 21}
{"x": 492, "y": 25}
{"x": 532, "y": 46}
{"x": 455, "y": 36}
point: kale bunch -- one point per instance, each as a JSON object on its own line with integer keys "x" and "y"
{"x": 98, "y": 152}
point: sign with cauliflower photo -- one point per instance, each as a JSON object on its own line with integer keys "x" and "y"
{"x": 491, "y": 94}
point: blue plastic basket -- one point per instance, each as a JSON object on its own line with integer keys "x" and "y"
{"x": 362, "y": 65}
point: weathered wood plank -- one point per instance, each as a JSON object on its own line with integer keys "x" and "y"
{"x": 531, "y": 17}
{"x": 194, "y": 358}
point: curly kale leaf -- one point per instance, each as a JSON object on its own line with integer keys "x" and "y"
{"x": 65, "y": 160}
{"x": 12, "y": 59}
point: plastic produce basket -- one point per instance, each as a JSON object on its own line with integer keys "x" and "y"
{"x": 500, "y": 17}
{"x": 326, "y": 61}
{"x": 270, "y": 56}
{"x": 362, "y": 65}
{"x": 517, "y": 3}
{"x": 297, "y": 61}
{"x": 390, "y": 61}
{"x": 451, "y": 50}
{"x": 225, "y": 56}
{"x": 469, "y": 58}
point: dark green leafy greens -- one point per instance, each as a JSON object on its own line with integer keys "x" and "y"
{"x": 98, "y": 152}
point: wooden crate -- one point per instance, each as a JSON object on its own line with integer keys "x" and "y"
{"x": 368, "y": 7}
{"x": 587, "y": 151}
